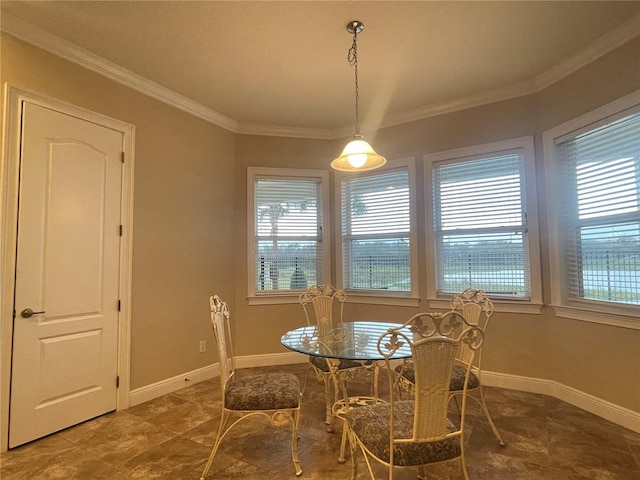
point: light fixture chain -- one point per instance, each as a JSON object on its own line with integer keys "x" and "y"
{"x": 352, "y": 57}
{"x": 358, "y": 155}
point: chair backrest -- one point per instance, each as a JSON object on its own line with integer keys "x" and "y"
{"x": 433, "y": 356}
{"x": 221, "y": 331}
{"x": 477, "y": 309}
{"x": 433, "y": 360}
{"x": 319, "y": 302}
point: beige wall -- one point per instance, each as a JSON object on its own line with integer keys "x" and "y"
{"x": 258, "y": 328}
{"x": 183, "y": 212}
{"x": 597, "y": 359}
{"x": 190, "y": 174}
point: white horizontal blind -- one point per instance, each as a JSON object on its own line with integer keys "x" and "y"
{"x": 481, "y": 238}
{"x": 601, "y": 212}
{"x": 376, "y": 226}
{"x": 288, "y": 233}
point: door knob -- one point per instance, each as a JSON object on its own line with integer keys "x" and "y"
{"x": 27, "y": 312}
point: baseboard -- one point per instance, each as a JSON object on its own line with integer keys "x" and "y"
{"x": 288, "y": 358}
{"x": 602, "y": 408}
{"x": 607, "y": 410}
{"x": 173, "y": 384}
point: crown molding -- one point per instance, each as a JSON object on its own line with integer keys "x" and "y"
{"x": 617, "y": 37}
{"x": 450, "y": 106}
{"x": 71, "y": 52}
{"x": 611, "y": 40}
{"x": 291, "y": 132}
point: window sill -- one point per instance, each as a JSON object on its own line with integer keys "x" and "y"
{"x": 499, "y": 306}
{"x": 379, "y": 300}
{"x": 293, "y": 298}
{"x": 274, "y": 299}
{"x": 603, "y": 318}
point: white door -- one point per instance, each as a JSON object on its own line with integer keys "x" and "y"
{"x": 65, "y": 353}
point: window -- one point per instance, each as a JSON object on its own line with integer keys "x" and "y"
{"x": 377, "y": 224}
{"x": 287, "y": 226}
{"x": 597, "y": 220}
{"x": 481, "y": 231}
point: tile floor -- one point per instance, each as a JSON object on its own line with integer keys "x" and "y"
{"x": 170, "y": 438}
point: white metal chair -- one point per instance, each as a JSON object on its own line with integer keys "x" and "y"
{"x": 416, "y": 432}
{"x": 319, "y": 303}
{"x": 476, "y": 309}
{"x": 275, "y": 396}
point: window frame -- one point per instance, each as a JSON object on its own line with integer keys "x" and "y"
{"x": 580, "y": 309}
{"x": 255, "y": 296}
{"x": 533, "y": 304}
{"x": 381, "y": 297}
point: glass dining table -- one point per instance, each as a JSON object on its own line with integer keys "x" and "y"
{"x": 345, "y": 341}
{"x": 356, "y": 341}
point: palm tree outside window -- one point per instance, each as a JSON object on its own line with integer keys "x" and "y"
{"x": 287, "y": 212}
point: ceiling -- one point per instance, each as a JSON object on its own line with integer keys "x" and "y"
{"x": 281, "y": 67}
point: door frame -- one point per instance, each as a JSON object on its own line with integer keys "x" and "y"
{"x": 14, "y": 98}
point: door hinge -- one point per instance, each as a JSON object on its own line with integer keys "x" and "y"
{"x": 122, "y": 157}
{"x": 121, "y": 230}
{"x": 119, "y": 305}
{"x": 118, "y": 381}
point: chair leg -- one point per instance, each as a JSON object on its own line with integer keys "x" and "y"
{"x": 400, "y": 389}
{"x": 483, "y": 405}
{"x": 352, "y": 449}
{"x": 374, "y": 385}
{"x": 480, "y": 401}
{"x": 465, "y": 473}
{"x": 328, "y": 402}
{"x": 343, "y": 445}
{"x": 456, "y": 400}
{"x": 369, "y": 467}
{"x": 224, "y": 417}
{"x": 354, "y": 464}
{"x": 294, "y": 442}
{"x": 306, "y": 379}
{"x": 463, "y": 463}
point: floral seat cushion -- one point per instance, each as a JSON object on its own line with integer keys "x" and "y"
{"x": 371, "y": 425}
{"x": 271, "y": 391}
{"x": 457, "y": 377}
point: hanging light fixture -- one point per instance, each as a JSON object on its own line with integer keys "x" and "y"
{"x": 357, "y": 156}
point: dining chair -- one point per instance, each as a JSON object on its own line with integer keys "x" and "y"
{"x": 416, "y": 432}
{"x": 275, "y": 396}
{"x": 319, "y": 303}
{"x": 476, "y": 309}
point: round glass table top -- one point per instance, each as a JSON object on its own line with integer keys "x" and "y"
{"x": 346, "y": 341}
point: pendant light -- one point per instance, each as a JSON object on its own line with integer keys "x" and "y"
{"x": 358, "y": 155}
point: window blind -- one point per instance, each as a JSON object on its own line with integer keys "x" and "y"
{"x": 481, "y": 238}
{"x": 376, "y": 226}
{"x": 288, "y": 233}
{"x": 601, "y": 217}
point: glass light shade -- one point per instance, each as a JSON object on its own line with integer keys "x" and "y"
{"x": 358, "y": 156}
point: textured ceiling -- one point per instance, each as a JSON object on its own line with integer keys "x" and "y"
{"x": 284, "y": 64}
